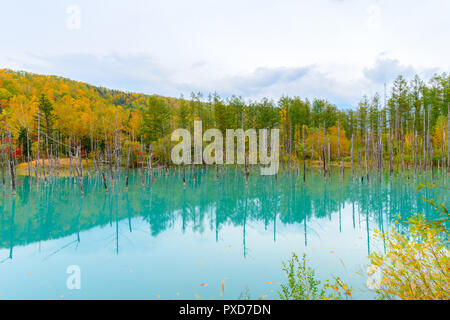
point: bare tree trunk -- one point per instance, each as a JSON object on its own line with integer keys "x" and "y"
{"x": 11, "y": 166}
{"x": 70, "y": 158}
{"x": 81, "y": 160}
{"x": 442, "y": 140}
{"x": 448, "y": 138}
{"x": 429, "y": 145}
{"x": 184, "y": 174}
{"x": 38, "y": 145}
{"x": 28, "y": 157}
{"x": 424, "y": 142}
{"x": 164, "y": 145}
{"x": 3, "y": 165}
{"x": 246, "y": 170}
{"x": 366, "y": 156}
{"x": 415, "y": 151}
{"x": 323, "y": 153}
{"x": 104, "y": 181}
{"x": 150, "y": 161}
{"x": 290, "y": 144}
{"x": 353, "y": 162}
{"x": 78, "y": 156}
{"x": 329, "y": 157}
{"x": 142, "y": 158}
{"x": 44, "y": 164}
{"x": 390, "y": 149}
{"x": 304, "y": 159}
{"x": 128, "y": 164}
{"x": 402, "y": 143}
{"x": 339, "y": 147}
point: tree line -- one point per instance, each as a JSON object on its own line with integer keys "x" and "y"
{"x": 49, "y": 116}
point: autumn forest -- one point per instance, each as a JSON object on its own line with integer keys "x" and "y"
{"x": 41, "y": 116}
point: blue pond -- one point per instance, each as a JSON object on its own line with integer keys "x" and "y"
{"x": 161, "y": 240}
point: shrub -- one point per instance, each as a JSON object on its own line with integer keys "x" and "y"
{"x": 302, "y": 284}
{"x": 415, "y": 267}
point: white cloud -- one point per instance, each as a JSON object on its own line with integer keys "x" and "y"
{"x": 386, "y": 69}
{"x": 324, "y": 48}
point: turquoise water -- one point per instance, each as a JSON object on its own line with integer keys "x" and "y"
{"x": 166, "y": 241}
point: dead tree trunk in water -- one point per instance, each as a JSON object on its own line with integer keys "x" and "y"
{"x": 80, "y": 178}
{"x": 304, "y": 164}
{"x": 37, "y": 147}
{"x": 3, "y": 165}
{"x": 353, "y": 163}
{"x": 164, "y": 144}
{"x": 390, "y": 149}
{"x": 109, "y": 158}
{"x": 366, "y": 139}
{"x": 128, "y": 164}
{"x": 414, "y": 146}
{"x": 150, "y": 161}
{"x": 329, "y": 157}
{"x": 339, "y": 149}
{"x": 142, "y": 158}
{"x": 442, "y": 143}
{"x": 448, "y": 138}
{"x": 70, "y": 159}
{"x": 429, "y": 145}
{"x": 28, "y": 157}
{"x": 11, "y": 166}
{"x": 323, "y": 153}
{"x": 184, "y": 174}
{"x": 426, "y": 150}
{"x": 246, "y": 169}
{"x": 81, "y": 160}
{"x": 104, "y": 181}
{"x": 115, "y": 153}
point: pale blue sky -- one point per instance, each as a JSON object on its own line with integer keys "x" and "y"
{"x": 335, "y": 49}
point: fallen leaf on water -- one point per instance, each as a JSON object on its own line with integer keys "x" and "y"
{"x": 198, "y": 298}
{"x": 230, "y": 245}
{"x": 269, "y": 282}
{"x": 223, "y": 286}
{"x": 158, "y": 297}
{"x": 331, "y": 251}
{"x": 203, "y": 284}
{"x": 263, "y": 296}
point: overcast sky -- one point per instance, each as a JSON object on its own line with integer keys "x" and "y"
{"x": 334, "y": 49}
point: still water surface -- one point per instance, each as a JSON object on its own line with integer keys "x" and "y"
{"x": 166, "y": 241}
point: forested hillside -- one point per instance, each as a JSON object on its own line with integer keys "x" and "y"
{"x": 411, "y": 120}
